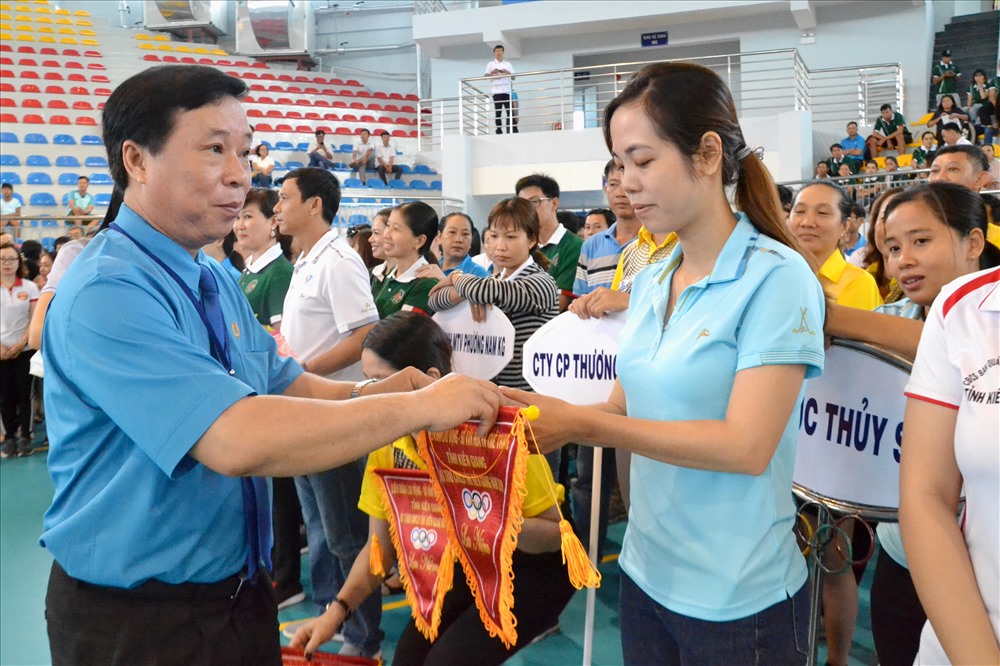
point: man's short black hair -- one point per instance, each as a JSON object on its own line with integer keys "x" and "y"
{"x": 853, "y": 122}
{"x": 318, "y": 132}
{"x": 954, "y": 127}
{"x": 835, "y": 145}
{"x": 384, "y": 133}
{"x": 316, "y": 182}
{"x": 143, "y": 108}
{"x": 499, "y": 46}
{"x": 607, "y": 169}
{"x": 974, "y": 154}
{"x": 857, "y": 210}
{"x": 885, "y": 106}
{"x": 547, "y": 184}
{"x": 83, "y": 178}
{"x": 6, "y": 186}
{"x": 365, "y": 129}
{"x": 609, "y": 217}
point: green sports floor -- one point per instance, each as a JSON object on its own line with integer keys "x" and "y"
{"x": 25, "y": 494}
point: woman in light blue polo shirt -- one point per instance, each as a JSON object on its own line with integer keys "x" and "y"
{"x": 710, "y": 369}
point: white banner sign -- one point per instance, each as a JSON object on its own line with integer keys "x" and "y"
{"x": 851, "y": 428}
{"x": 479, "y": 350}
{"x": 574, "y": 359}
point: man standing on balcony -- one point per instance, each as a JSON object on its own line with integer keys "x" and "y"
{"x": 944, "y": 76}
{"x": 500, "y": 70}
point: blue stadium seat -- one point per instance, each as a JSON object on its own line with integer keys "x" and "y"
{"x": 96, "y": 162}
{"x": 366, "y": 200}
{"x": 422, "y": 168}
{"x": 35, "y": 138}
{"x": 91, "y": 140}
{"x": 353, "y": 182}
{"x": 42, "y": 199}
{"x": 435, "y": 184}
{"x": 8, "y": 137}
{"x": 284, "y": 145}
{"x": 341, "y": 166}
{"x": 49, "y": 243}
{"x": 102, "y": 199}
{"x": 377, "y": 184}
{"x": 100, "y": 179}
{"x": 418, "y": 184}
{"x": 68, "y": 178}
{"x": 355, "y": 220}
{"x": 67, "y": 162}
{"x": 292, "y": 164}
{"x": 339, "y": 221}
{"x": 37, "y": 161}
{"x": 346, "y": 148}
{"x": 302, "y": 147}
{"x": 64, "y": 140}
{"x": 39, "y": 178}
{"x": 10, "y": 177}
{"x": 405, "y": 168}
{"x": 65, "y": 200}
{"x": 398, "y": 184}
{"x": 9, "y": 160}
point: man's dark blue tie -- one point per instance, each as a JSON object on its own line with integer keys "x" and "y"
{"x": 255, "y": 504}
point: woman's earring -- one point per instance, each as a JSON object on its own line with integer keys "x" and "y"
{"x": 274, "y": 232}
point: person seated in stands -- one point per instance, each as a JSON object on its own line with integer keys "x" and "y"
{"x": 981, "y": 110}
{"x": 822, "y": 170}
{"x": 363, "y": 156}
{"x": 850, "y": 184}
{"x": 80, "y": 202}
{"x": 871, "y": 185}
{"x": 889, "y": 133}
{"x": 853, "y": 241}
{"x": 59, "y": 242}
{"x": 892, "y": 166}
{"x": 854, "y": 146}
{"x": 385, "y": 155}
{"x": 9, "y": 206}
{"x": 924, "y": 153}
{"x": 948, "y": 111}
{"x": 837, "y": 158}
{"x": 320, "y": 154}
{"x": 951, "y": 135}
{"x": 261, "y": 166}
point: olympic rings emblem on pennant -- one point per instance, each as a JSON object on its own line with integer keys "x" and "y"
{"x": 477, "y": 504}
{"x": 423, "y": 539}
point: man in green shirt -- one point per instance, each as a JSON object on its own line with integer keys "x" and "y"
{"x": 836, "y": 159}
{"x": 944, "y": 76}
{"x": 556, "y": 243}
{"x": 890, "y": 132}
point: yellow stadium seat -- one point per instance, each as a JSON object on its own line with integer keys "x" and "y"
{"x": 24, "y": 17}
{"x": 22, "y": 8}
{"x": 219, "y": 52}
{"x": 6, "y": 17}
{"x": 46, "y": 29}
{"x": 904, "y": 160}
{"x": 881, "y": 162}
{"x": 923, "y": 119}
{"x": 24, "y": 28}
{"x": 181, "y": 48}
{"x": 64, "y": 21}
{"x": 161, "y": 38}
{"x": 25, "y": 38}
{"x": 43, "y": 19}
{"x": 87, "y": 33}
{"x": 164, "y": 47}
{"x": 82, "y": 12}
{"x": 146, "y": 47}
{"x": 84, "y": 23}
{"x": 46, "y": 39}
{"x": 63, "y": 12}
{"x": 42, "y": 10}
{"x": 90, "y": 42}
{"x": 68, "y": 40}
{"x": 67, "y": 31}
{"x": 6, "y": 37}
{"x": 201, "y": 51}
{"x": 4, "y": 7}
{"x": 142, "y": 37}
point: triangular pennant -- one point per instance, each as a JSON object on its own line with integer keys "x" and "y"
{"x": 480, "y": 482}
{"x": 417, "y": 527}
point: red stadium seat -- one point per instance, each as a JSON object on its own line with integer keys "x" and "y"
{"x": 274, "y": 113}
{"x": 380, "y": 95}
{"x": 329, "y": 91}
{"x": 325, "y": 128}
{"x": 56, "y": 104}
{"x": 412, "y": 98}
{"x": 374, "y": 106}
{"x": 188, "y": 60}
{"x": 303, "y": 129}
{"x": 312, "y": 115}
{"x": 72, "y": 64}
{"x": 390, "y": 107}
{"x": 302, "y": 79}
{"x": 302, "y": 101}
{"x": 259, "y": 65}
{"x": 408, "y": 109}
{"x": 53, "y": 76}
{"x": 25, "y": 49}
{"x": 254, "y": 113}
{"x": 27, "y": 62}
{"x": 100, "y": 78}
{"x": 285, "y": 77}
{"x": 268, "y": 76}
{"x": 5, "y": 48}
{"x": 7, "y": 102}
{"x": 364, "y": 93}
{"x": 31, "y": 103}
{"x": 349, "y": 118}
{"x": 33, "y": 119}
{"x": 205, "y": 61}
{"x": 357, "y": 105}
{"x": 337, "y": 104}
{"x": 78, "y": 90}
{"x": 412, "y": 134}
{"x": 223, "y": 63}
{"x": 75, "y": 76}
{"x": 92, "y": 54}
{"x": 310, "y": 91}
{"x": 71, "y": 53}
{"x": 52, "y": 90}
{"x": 336, "y": 82}
{"x": 6, "y": 87}
{"x": 29, "y": 74}
{"x": 284, "y": 101}
{"x": 81, "y": 105}
{"x": 398, "y": 133}
{"x": 256, "y": 87}
{"x": 263, "y": 127}
{"x": 170, "y": 58}
{"x": 59, "y": 120}
{"x": 85, "y": 120}
{"x": 102, "y": 92}
{"x": 345, "y": 93}
{"x": 265, "y": 100}
{"x": 332, "y": 117}
{"x": 151, "y": 57}
{"x": 386, "y": 119}
{"x": 96, "y": 65}
{"x": 6, "y": 62}
{"x": 7, "y": 118}
{"x": 294, "y": 89}
{"x": 352, "y": 82}
{"x": 343, "y": 130}
{"x": 247, "y": 75}
{"x": 48, "y": 50}
{"x": 322, "y": 103}
{"x": 283, "y": 128}
{"x": 51, "y": 64}
{"x": 294, "y": 115}
{"x": 367, "y": 119}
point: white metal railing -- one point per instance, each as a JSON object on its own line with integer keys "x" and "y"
{"x": 864, "y": 187}
{"x": 436, "y": 117}
{"x": 762, "y": 83}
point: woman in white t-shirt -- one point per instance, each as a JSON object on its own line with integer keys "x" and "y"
{"x": 261, "y": 166}
{"x": 17, "y": 303}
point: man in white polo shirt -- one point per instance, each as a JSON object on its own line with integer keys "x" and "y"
{"x": 385, "y": 155}
{"x": 500, "y": 70}
{"x": 328, "y": 312}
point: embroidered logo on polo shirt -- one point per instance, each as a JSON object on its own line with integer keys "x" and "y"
{"x": 703, "y": 334}
{"x": 251, "y": 286}
{"x": 22, "y": 296}
{"x": 803, "y": 324}
{"x": 236, "y": 331}
{"x": 397, "y": 297}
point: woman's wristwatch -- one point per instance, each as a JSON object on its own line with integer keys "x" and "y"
{"x": 356, "y": 392}
{"x": 343, "y": 604}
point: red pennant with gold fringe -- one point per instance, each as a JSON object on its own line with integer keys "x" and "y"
{"x": 417, "y": 526}
{"x": 480, "y": 482}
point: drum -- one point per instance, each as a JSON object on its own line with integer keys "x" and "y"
{"x": 851, "y": 430}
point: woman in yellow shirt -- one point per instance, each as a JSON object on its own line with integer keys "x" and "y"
{"x": 818, "y": 220}
{"x": 541, "y": 583}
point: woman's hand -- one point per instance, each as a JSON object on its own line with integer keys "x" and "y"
{"x": 431, "y": 271}
{"x": 315, "y": 632}
{"x": 446, "y": 281}
{"x": 555, "y": 422}
{"x": 479, "y": 311}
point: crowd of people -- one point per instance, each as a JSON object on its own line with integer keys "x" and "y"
{"x": 312, "y": 360}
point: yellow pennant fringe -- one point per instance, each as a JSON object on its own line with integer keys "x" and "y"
{"x": 375, "y": 558}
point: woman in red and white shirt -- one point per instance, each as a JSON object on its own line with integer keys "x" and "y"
{"x": 17, "y": 303}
